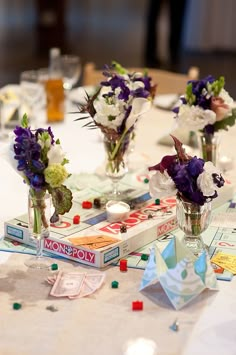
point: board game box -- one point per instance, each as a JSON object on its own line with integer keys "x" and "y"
{"x": 146, "y": 222}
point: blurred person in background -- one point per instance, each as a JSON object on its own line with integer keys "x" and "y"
{"x": 176, "y": 12}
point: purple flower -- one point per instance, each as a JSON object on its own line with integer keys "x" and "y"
{"x": 195, "y": 180}
{"x": 37, "y": 182}
{"x": 195, "y": 166}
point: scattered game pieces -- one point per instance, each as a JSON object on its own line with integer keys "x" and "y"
{"x": 144, "y": 257}
{"x": 146, "y": 180}
{"x": 52, "y": 308}
{"x": 54, "y": 267}
{"x": 16, "y": 306}
{"x": 157, "y": 201}
{"x": 123, "y": 265}
{"x": 137, "y": 305}
{"x": 97, "y": 202}
{"x": 132, "y": 205}
{"x": 76, "y": 219}
{"x": 87, "y": 204}
{"x": 114, "y": 284}
{"x": 175, "y": 326}
{"x": 123, "y": 228}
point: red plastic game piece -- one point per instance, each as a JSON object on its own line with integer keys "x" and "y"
{"x": 123, "y": 265}
{"x": 87, "y": 204}
{"x": 137, "y": 305}
{"x": 76, "y": 219}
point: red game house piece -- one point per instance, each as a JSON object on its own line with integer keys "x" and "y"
{"x": 137, "y": 305}
{"x": 123, "y": 265}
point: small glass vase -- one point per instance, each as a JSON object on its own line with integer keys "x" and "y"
{"x": 209, "y": 147}
{"x": 193, "y": 219}
{"x": 39, "y": 213}
{"x": 115, "y": 165}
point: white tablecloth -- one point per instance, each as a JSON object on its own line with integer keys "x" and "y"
{"x": 104, "y": 322}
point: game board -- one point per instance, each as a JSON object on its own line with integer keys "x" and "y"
{"x": 141, "y": 229}
{"x": 218, "y": 239}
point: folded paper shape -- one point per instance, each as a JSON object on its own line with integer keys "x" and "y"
{"x": 182, "y": 275}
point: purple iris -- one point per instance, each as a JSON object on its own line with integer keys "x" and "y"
{"x": 195, "y": 166}
{"x": 140, "y": 92}
{"x": 37, "y": 182}
{"x": 187, "y": 185}
{"x": 209, "y": 130}
{"x": 198, "y": 87}
{"x": 28, "y": 154}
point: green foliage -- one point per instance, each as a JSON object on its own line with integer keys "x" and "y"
{"x": 225, "y": 123}
{"x": 217, "y": 86}
{"x": 190, "y": 97}
{"x": 25, "y": 121}
{"x": 118, "y": 68}
{"x": 62, "y": 199}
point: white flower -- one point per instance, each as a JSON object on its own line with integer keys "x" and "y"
{"x": 226, "y": 97}
{"x": 195, "y": 117}
{"x": 205, "y": 180}
{"x": 139, "y": 107}
{"x": 161, "y": 185}
{"x": 55, "y": 154}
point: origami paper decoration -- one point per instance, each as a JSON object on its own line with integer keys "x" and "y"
{"x": 181, "y": 274}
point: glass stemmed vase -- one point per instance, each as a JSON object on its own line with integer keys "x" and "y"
{"x": 193, "y": 219}
{"x": 39, "y": 212}
{"x": 209, "y": 146}
{"x": 115, "y": 166}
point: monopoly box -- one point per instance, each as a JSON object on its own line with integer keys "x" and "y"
{"x": 145, "y": 223}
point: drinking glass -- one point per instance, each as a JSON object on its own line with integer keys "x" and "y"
{"x": 71, "y": 69}
{"x": 31, "y": 92}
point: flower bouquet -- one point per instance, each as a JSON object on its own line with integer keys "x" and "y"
{"x": 115, "y": 108}
{"x": 195, "y": 184}
{"x": 41, "y": 162}
{"x": 208, "y": 108}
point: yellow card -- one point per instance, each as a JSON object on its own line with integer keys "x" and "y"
{"x": 93, "y": 241}
{"x": 227, "y": 261}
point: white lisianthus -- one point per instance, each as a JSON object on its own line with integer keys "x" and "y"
{"x": 205, "y": 180}
{"x": 195, "y": 117}
{"x": 109, "y": 115}
{"x": 55, "y": 154}
{"x": 139, "y": 107}
{"x": 226, "y": 97}
{"x": 161, "y": 185}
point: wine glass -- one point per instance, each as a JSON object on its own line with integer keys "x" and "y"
{"x": 71, "y": 70}
{"x": 115, "y": 166}
{"x": 31, "y": 91}
{"x": 9, "y": 113}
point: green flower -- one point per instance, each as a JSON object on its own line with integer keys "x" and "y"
{"x": 55, "y": 175}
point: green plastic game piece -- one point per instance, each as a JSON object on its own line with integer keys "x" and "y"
{"x": 16, "y": 306}
{"x": 157, "y": 201}
{"x": 114, "y": 284}
{"x": 146, "y": 180}
{"x": 144, "y": 257}
{"x": 54, "y": 267}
